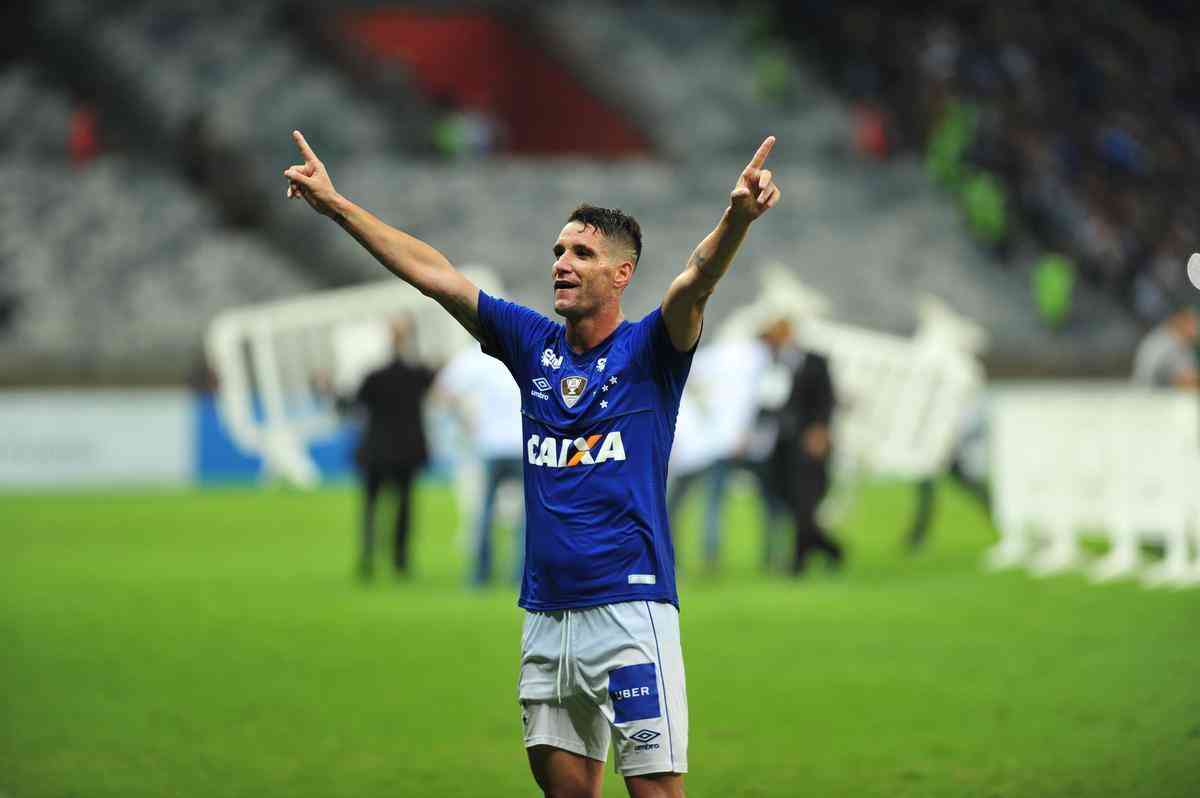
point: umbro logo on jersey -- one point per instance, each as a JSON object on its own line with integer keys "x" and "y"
{"x": 568, "y": 452}
{"x": 550, "y": 360}
{"x": 571, "y": 389}
{"x": 542, "y": 384}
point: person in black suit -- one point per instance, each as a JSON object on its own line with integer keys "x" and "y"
{"x": 799, "y": 462}
{"x": 392, "y": 449}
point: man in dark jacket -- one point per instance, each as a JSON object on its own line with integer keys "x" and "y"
{"x": 799, "y": 463}
{"x": 393, "y": 446}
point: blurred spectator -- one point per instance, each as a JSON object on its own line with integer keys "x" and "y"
{"x": 393, "y": 447}
{"x": 83, "y": 140}
{"x": 777, "y": 340}
{"x": 1053, "y": 285}
{"x": 871, "y": 131}
{"x": 219, "y": 171}
{"x": 1166, "y": 357}
{"x": 799, "y": 461}
{"x": 985, "y": 201}
{"x": 774, "y": 82}
{"x": 463, "y": 132}
{"x": 483, "y": 397}
{"x": 722, "y": 388}
{"x": 948, "y": 145}
{"x": 694, "y": 453}
{"x": 725, "y": 390}
{"x": 964, "y": 469}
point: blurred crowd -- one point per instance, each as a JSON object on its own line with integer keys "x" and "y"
{"x": 1078, "y": 127}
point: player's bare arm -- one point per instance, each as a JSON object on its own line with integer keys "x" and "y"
{"x": 754, "y": 194}
{"x": 409, "y": 258}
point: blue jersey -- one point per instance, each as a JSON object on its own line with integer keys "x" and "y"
{"x": 598, "y": 428}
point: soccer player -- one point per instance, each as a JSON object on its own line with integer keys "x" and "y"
{"x": 600, "y": 650}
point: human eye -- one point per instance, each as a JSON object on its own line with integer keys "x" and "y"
{"x": 559, "y": 250}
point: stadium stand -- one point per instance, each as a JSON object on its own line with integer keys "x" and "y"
{"x": 89, "y": 296}
{"x": 871, "y": 239}
{"x": 223, "y": 83}
{"x": 238, "y": 77}
{"x": 1089, "y": 123}
{"x": 235, "y": 61}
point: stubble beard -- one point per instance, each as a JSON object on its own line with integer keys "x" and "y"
{"x": 574, "y": 308}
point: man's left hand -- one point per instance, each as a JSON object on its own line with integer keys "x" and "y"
{"x": 755, "y": 192}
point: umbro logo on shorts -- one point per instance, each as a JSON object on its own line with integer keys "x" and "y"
{"x": 644, "y": 740}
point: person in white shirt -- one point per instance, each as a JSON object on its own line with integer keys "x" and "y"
{"x": 722, "y": 404}
{"x": 485, "y": 400}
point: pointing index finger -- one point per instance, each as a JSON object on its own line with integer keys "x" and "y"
{"x": 764, "y": 150}
{"x": 305, "y": 150}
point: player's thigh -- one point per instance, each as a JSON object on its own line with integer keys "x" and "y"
{"x": 562, "y": 773}
{"x": 655, "y": 785}
{"x": 575, "y": 725}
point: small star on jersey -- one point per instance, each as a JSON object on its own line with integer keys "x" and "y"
{"x": 604, "y": 388}
{"x": 612, "y": 380}
{"x": 603, "y": 404}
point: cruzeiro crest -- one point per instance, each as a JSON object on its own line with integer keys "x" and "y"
{"x": 571, "y": 389}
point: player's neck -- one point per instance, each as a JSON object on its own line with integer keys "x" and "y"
{"x": 588, "y": 331}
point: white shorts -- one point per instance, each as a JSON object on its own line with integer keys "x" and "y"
{"x": 613, "y": 672}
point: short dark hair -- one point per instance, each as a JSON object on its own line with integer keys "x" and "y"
{"x": 614, "y": 224}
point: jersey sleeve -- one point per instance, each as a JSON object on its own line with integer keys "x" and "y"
{"x": 509, "y": 329}
{"x": 671, "y": 365}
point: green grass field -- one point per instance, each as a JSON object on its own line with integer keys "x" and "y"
{"x": 213, "y": 644}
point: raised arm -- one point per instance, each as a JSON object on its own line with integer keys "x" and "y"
{"x": 409, "y": 258}
{"x": 683, "y": 306}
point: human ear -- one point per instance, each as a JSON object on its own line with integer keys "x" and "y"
{"x": 623, "y": 274}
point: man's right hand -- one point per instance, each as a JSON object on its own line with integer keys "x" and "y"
{"x": 310, "y": 180}
{"x": 409, "y": 258}
{"x": 816, "y": 441}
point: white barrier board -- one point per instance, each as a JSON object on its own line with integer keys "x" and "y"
{"x": 1100, "y": 458}
{"x": 60, "y": 438}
